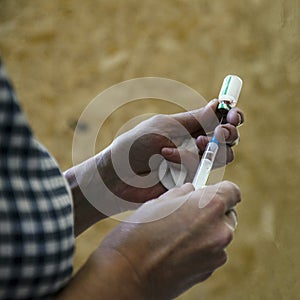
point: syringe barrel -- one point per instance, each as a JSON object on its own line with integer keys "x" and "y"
{"x": 206, "y": 164}
{"x": 211, "y": 150}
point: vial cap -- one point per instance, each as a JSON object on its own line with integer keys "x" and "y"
{"x": 231, "y": 89}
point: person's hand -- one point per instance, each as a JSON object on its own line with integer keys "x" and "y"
{"x": 131, "y": 163}
{"x": 161, "y": 259}
{"x": 154, "y": 257}
{"x": 128, "y": 168}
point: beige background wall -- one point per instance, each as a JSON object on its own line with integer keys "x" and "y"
{"x": 61, "y": 54}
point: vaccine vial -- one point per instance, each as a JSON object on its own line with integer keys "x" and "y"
{"x": 229, "y": 94}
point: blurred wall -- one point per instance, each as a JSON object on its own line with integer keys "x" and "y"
{"x": 61, "y": 54}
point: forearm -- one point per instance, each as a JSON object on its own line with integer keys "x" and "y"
{"x": 106, "y": 275}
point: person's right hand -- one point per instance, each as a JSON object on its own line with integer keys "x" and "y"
{"x": 163, "y": 258}
{"x": 129, "y": 166}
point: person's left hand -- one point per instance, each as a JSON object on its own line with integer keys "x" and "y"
{"x": 130, "y": 164}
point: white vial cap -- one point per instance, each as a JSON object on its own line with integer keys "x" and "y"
{"x": 231, "y": 89}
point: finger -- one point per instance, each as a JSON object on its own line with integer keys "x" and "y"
{"x": 203, "y": 276}
{"x": 227, "y": 133}
{"x": 231, "y": 133}
{"x": 199, "y": 120}
{"x": 221, "y": 133}
{"x": 231, "y": 219}
{"x": 201, "y": 143}
{"x": 235, "y": 117}
{"x": 184, "y": 156}
{"x": 229, "y": 193}
{"x": 178, "y": 191}
{"x": 223, "y": 158}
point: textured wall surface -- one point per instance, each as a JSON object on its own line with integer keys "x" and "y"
{"x": 61, "y": 54}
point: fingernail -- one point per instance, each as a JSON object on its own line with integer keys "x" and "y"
{"x": 240, "y": 120}
{"x": 226, "y": 133}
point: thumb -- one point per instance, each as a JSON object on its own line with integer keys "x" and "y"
{"x": 200, "y": 120}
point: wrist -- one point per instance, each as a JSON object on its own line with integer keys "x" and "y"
{"x": 105, "y": 167}
{"x": 114, "y": 186}
{"x": 87, "y": 191}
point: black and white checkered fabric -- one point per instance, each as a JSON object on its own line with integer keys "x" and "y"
{"x": 36, "y": 218}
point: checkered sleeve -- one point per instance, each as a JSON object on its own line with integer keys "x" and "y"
{"x": 36, "y": 218}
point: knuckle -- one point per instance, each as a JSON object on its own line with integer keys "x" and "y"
{"x": 172, "y": 192}
{"x": 228, "y": 185}
{"x": 176, "y": 189}
{"x": 158, "y": 119}
{"x": 219, "y": 204}
{"x": 222, "y": 258}
{"x": 226, "y": 237}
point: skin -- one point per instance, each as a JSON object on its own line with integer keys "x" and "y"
{"x": 161, "y": 259}
{"x": 146, "y": 259}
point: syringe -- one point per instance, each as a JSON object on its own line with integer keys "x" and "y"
{"x": 228, "y": 98}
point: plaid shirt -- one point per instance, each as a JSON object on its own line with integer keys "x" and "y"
{"x": 36, "y": 219}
